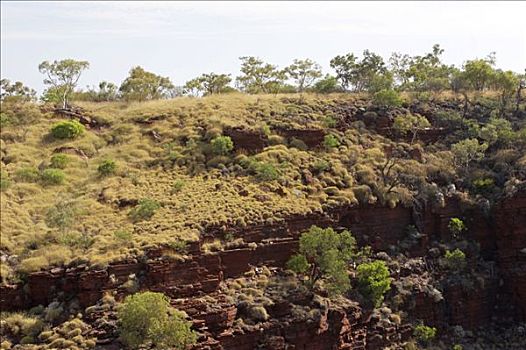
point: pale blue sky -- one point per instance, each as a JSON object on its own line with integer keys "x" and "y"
{"x": 182, "y": 40}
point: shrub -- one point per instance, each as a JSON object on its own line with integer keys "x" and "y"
{"x": 61, "y": 215}
{"x": 324, "y": 254}
{"x": 387, "y": 98}
{"x": 330, "y": 141}
{"x": 67, "y": 129}
{"x": 222, "y": 145}
{"x": 455, "y": 260}
{"x": 27, "y": 174}
{"x": 456, "y": 226}
{"x": 53, "y": 177}
{"x": 144, "y": 210}
{"x": 424, "y": 334}
{"x": 59, "y": 161}
{"x": 265, "y": 171}
{"x": 374, "y": 280}
{"x": 107, "y": 167}
{"x": 4, "y": 180}
{"x": 177, "y": 186}
{"x": 148, "y": 318}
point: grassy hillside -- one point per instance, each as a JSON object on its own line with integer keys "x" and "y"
{"x": 154, "y": 173}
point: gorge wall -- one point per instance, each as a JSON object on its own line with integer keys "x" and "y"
{"x": 501, "y": 235}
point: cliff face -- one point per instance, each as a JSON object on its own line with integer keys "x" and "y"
{"x": 502, "y": 238}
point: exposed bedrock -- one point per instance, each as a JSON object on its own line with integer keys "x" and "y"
{"x": 501, "y": 235}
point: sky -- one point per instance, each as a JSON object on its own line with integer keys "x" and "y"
{"x": 182, "y": 40}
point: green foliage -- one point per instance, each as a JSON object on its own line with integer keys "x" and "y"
{"x": 16, "y": 92}
{"x": 479, "y": 73}
{"x": 53, "y": 177}
{"x": 76, "y": 240}
{"x": 61, "y": 215}
{"x": 304, "y": 73}
{"x": 259, "y": 77}
{"x": 147, "y": 318}
{"x": 298, "y": 263}
{"x": 424, "y": 334}
{"x": 455, "y": 260}
{"x": 326, "y": 85}
{"x": 67, "y": 129}
{"x": 468, "y": 150}
{"x": 369, "y": 74}
{"x": 410, "y": 123}
{"x": 144, "y": 210}
{"x": 483, "y": 184}
{"x": 141, "y": 85}
{"x": 458, "y": 347}
{"x": 5, "y": 182}
{"x": 374, "y": 280}
{"x": 107, "y": 167}
{"x": 208, "y": 84}
{"x": 325, "y": 253}
{"x": 426, "y": 73}
{"x": 177, "y": 186}
{"x": 59, "y": 161}
{"x": 456, "y": 226}
{"x": 27, "y": 174}
{"x": 387, "y": 98}
{"x": 331, "y": 141}
{"x": 222, "y": 145}
{"x": 265, "y": 171}
{"x": 63, "y": 76}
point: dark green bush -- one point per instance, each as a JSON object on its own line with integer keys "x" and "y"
{"x": 374, "y": 280}
{"x": 387, "y": 98}
{"x": 53, "y": 177}
{"x": 148, "y": 318}
{"x": 424, "y": 334}
{"x": 59, "y": 161}
{"x": 455, "y": 260}
{"x": 67, "y": 129}
{"x": 265, "y": 171}
{"x": 107, "y": 167}
{"x": 222, "y": 145}
{"x": 144, "y": 210}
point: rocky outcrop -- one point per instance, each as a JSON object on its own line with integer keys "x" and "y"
{"x": 501, "y": 234}
{"x": 249, "y": 140}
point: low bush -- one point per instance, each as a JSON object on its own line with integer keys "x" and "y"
{"x": 177, "y": 186}
{"x": 387, "y": 98}
{"x": 148, "y": 318}
{"x": 27, "y": 174}
{"x": 53, "y": 177}
{"x": 455, "y": 260}
{"x": 330, "y": 141}
{"x": 144, "y": 210}
{"x": 107, "y": 167}
{"x": 265, "y": 171}
{"x": 424, "y": 334}
{"x": 59, "y": 161}
{"x": 67, "y": 129}
{"x": 222, "y": 145}
{"x": 374, "y": 281}
{"x": 456, "y": 226}
{"x": 5, "y": 182}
